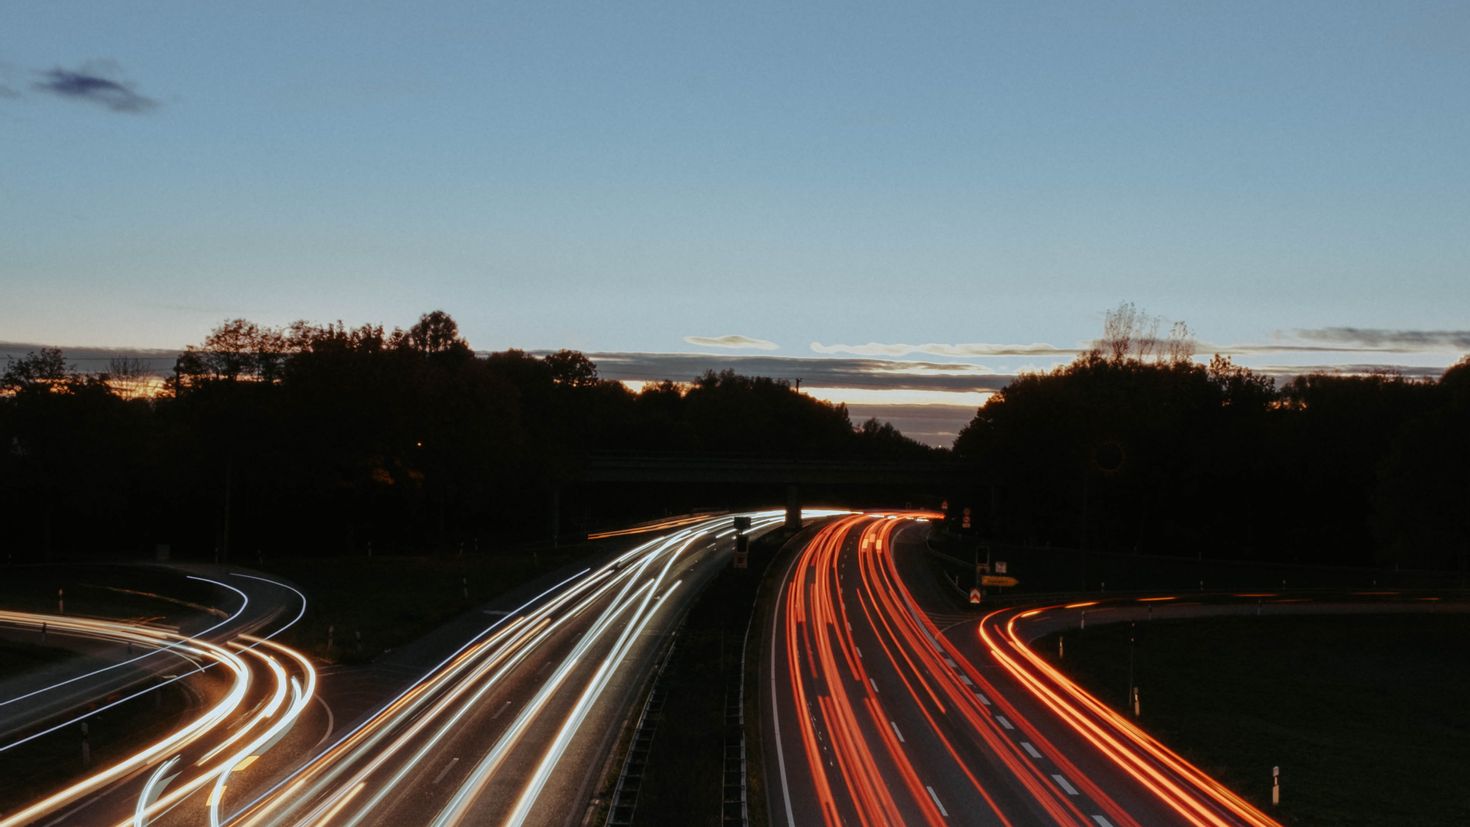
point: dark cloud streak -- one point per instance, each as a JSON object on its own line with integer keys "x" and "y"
{"x": 824, "y": 373}
{"x": 90, "y": 85}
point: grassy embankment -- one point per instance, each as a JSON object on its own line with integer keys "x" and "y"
{"x": 1367, "y": 716}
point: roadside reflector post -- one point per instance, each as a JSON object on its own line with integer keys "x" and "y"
{"x": 61, "y": 601}
{"x": 43, "y": 633}
{"x": 1202, "y": 584}
{"x": 1061, "y": 650}
{"x": 1136, "y": 710}
{"x": 1083, "y": 623}
{"x": 1275, "y": 785}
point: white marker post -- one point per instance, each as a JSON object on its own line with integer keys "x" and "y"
{"x": 1061, "y": 651}
{"x": 1275, "y": 785}
{"x": 60, "y": 601}
{"x": 1135, "y": 702}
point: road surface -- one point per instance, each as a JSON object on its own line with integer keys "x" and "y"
{"x": 880, "y": 712}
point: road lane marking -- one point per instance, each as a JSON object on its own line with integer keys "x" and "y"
{"x": 981, "y": 696}
{"x": 1004, "y": 722}
{"x": 445, "y": 771}
{"x": 1062, "y": 781}
{"x": 1102, "y": 822}
{"x": 857, "y": 649}
{"x": 875, "y": 686}
{"x": 965, "y": 679}
{"x": 952, "y": 664}
{"x": 775, "y": 702}
{"x": 500, "y": 710}
{"x": 1030, "y": 750}
{"x": 942, "y": 811}
{"x": 896, "y": 732}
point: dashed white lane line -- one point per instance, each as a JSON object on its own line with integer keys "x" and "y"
{"x": 965, "y": 679}
{"x": 952, "y": 664}
{"x": 874, "y": 684}
{"x": 1030, "y": 750}
{"x": 445, "y": 771}
{"x": 1005, "y": 722}
{"x": 857, "y": 649}
{"x": 1102, "y": 822}
{"x": 942, "y": 811}
{"x": 1064, "y": 784}
{"x": 981, "y": 696}
{"x": 896, "y": 732}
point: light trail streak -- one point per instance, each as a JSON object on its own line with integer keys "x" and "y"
{"x": 245, "y": 601}
{"x": 381, "y": 754}
{"x": 876, "y": 775}
{"x": 249, "y": 669}
{"x": 1190, "y": 792}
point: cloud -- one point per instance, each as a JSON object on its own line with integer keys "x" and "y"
{"x": 1288, "y": 372}
{"x": 92, "y": 84}
{"x": 814, "y": 373}
{"x": 1390, "y": 341}
{"x": 158, "y": 361}
{"x": 731, "y": 341}
{"x": 936, "y": 425}
{"x": 937, "y": 349}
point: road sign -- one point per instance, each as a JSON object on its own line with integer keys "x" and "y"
{"x": 742, "y": 523}
{"x": 993, "y": 580}
{"x": 1000, "y": 567}
{"x": 975, "y": 595}
{"x": 965, "y": 518}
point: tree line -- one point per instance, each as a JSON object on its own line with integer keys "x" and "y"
{"x": 1134, "y": 447}
{"x": 328, "y": 438}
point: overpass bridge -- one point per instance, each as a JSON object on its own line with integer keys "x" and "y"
{"x": 615, "y": 467}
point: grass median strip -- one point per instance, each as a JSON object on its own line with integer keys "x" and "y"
{"x": 1366, "y": 715}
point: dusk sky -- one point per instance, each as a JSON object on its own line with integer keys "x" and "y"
{"x": 808, "y": 180}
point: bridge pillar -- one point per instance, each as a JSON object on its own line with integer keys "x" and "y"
{"x": 793, "y": 509}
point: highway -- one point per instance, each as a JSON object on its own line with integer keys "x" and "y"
{"x": 516, "y": 726}
{"x": 252, "y": 691}
{"x": 882, "y": 710}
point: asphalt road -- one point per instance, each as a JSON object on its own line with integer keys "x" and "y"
{"x": 883, "y": 705}
{"x": 250, "y": 693}
{"x": 515, "y": 726}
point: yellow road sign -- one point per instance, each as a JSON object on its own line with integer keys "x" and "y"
{"x": 996, "y": 580}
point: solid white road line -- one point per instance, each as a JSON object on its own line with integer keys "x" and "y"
{"x": 775, "y": 702}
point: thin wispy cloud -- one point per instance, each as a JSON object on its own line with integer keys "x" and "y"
{"x": 97, "y": 83}
{"x": 939, "y": 349}
{"x": 733, "y": 342}
{"x": 1390, "y": 341}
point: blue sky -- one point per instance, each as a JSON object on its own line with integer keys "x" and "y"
{"x": 616, "y": 177}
